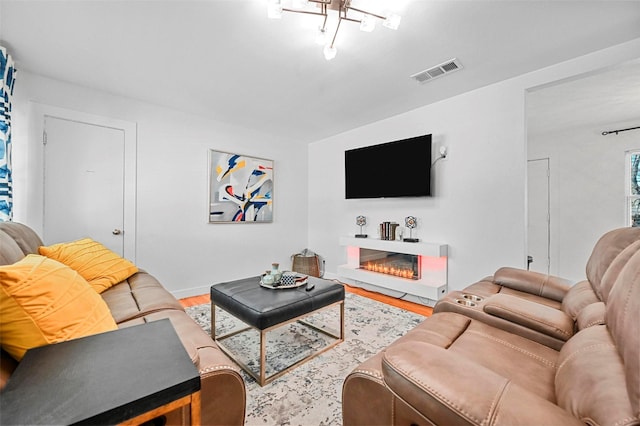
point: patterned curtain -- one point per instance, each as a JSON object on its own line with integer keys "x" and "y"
{"x": 8, "y": 74}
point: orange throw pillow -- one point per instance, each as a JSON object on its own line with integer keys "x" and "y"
{"x": 101, "y": 267}
{"x": 43, "y": 301}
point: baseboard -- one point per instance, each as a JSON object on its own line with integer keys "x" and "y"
{"x": 330, "y": 276}
{"x": 190, "y": 292}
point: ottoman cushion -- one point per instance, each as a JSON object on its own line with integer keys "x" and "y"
{"x": 263, "y": 308}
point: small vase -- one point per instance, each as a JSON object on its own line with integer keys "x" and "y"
{"x": 275, "y": 272}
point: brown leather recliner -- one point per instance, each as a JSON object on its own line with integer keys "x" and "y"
{"x": 452, "y": 369}
{"x": 545, "y": 308}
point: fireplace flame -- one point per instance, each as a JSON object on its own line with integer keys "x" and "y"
{"x": 401, "y": 272}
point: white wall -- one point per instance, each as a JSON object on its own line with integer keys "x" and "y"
{"x": 587, "y": 190}
{"x": 478, "y": 208}
{"x": 479, "y": 205}
{"x": 174, "y": 241}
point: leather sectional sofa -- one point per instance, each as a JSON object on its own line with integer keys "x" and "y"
{"x": 139, "y": 299}
{"x": 545, "y": 308}
{"x": 519, "y": 348}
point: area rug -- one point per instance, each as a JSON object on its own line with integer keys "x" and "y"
{"x": 310, "y": 394}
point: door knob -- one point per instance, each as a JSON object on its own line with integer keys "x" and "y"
{"x": 116, "y": 232}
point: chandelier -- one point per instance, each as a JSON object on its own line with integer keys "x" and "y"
{"x": 346, "y": 12}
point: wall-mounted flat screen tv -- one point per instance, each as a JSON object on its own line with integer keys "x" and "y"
{"x": 394, "y": 169}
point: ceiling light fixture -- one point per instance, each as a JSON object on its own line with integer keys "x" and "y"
{"x": 346, "y": 12}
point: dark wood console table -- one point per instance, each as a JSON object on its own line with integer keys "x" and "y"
{"x": 127, "y": 376}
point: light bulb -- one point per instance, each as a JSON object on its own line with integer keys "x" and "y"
{"x": 330, "y": 52}
{"x": 392, "y": 21}
{"x": 367, "y": 23}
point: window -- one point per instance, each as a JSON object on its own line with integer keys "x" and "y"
{"x": 633, "y": 191}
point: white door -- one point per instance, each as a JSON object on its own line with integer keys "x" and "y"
{"x": 538, "y": 229}
{"x": 83, "y": 182}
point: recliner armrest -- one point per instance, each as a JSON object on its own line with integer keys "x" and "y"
{"x": 543, "y": 285}
{"x": 443, "y": 387}
{"x": 590, "y": 315}
{"x": 535, "y": 316}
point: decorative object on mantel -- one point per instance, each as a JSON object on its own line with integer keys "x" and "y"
{"x": 345, "y": 12}
{"x": 411, "y": 222}
{"x": 361, "y": 221}
{"x": 388, "y": 231}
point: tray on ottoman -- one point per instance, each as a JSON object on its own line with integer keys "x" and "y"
{"x": 288, "y": 280}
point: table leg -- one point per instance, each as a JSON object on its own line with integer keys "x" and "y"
{"x": 213, "y": 321}
{"x": 342, "y": 321}
{"x": 196, "y": 418}
{"x": 263, "y": 357}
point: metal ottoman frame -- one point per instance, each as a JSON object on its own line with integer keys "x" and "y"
{"x": 262, "y": 378}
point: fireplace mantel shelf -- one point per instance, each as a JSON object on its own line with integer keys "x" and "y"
{"x": 432, "y": 284}
{"x": 419, "y": 248}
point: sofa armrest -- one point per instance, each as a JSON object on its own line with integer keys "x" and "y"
{"x": 223, "y": 386}
{"x": 543, "y": 285}
{"x": 535, "y": 316}
{"x": 443, "y": 387}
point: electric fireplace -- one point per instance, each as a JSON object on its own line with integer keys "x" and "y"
{"x": 413, "y": 271}
{"x": 400, "y": 265}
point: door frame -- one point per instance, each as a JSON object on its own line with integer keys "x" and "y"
{"x": 548, "y": 184}
{"x": 40, "y": 112}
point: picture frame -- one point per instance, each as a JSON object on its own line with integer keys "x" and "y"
{"x": 240, "y": 188}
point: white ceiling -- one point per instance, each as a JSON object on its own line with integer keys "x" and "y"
{"x": 602, "y": 101}
{"x": 225, "y": 60}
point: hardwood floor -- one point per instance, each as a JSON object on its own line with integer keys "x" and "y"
{"x": 426, "y": 311}
{"x": 195, "y": 300}
{"x": 412, "y": 307}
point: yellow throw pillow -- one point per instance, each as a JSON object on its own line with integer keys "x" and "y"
{"x": 101, "y": 267}
{"x": 43, "y": 301}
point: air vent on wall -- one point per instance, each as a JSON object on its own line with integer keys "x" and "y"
{"x": 437, "y": 71}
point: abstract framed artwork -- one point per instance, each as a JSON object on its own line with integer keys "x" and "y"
{"x": 240, "y": 188}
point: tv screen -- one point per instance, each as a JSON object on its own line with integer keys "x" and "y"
{"x": 395, "y": 169}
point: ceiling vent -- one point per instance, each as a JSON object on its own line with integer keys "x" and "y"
{"x": 437, "y": 71}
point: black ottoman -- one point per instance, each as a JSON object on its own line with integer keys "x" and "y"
{"x": 265, "y": 309}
